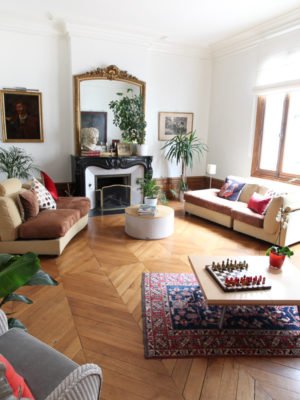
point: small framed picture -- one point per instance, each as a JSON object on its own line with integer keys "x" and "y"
{"x": 22, "y": 116}
{"x": 171, "y": 124}
{"x": 95, "y": 119}
{"x": 124, "y": 149}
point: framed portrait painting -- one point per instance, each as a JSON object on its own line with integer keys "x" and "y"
{"x": 95, "y": 119}
{"x": 171, "y": 124}
{"x": 22, "y": 116}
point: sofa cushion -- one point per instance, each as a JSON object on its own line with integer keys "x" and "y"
{"x": 45, "y": 200}
{"x": 10, "y": 219}
{"x": 259, "y": 203}
{"x": 82, "y": 204}
{"x": 231, "y": 189}
{"x": 49, "y": 224}
{"x": 209, "y": 199}
{"x": 29, "y": 204}
{"x": 242, "y": 213}
{"x": 247, "y": 192}
{"x": 10, "y": 186}
{"x": 50, "y": 185}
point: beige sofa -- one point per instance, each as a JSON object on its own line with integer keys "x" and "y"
{"x": 236, "y": 215}
{"x": 47, "y": 233}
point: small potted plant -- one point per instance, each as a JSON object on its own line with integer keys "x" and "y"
{"x": 129, "y": 116}
{"x": 276, "y": 252}
{"x": 151, "y": 191}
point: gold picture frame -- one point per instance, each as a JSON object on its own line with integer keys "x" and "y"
{"x": 21, "y": 116}
{"x": 171, "y": 124}
{"x": 124, "y": 149}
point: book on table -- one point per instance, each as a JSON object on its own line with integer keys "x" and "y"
{"x": 145, "y": 209}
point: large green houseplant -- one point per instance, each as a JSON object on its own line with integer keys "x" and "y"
{"x": 17, "y": 271}
{"x": 129, "y": 116}
{"x": 182, "y": 149}
{"x": 16, "y": 163}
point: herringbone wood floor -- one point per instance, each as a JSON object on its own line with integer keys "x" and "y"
{"x": 94, "y": 315}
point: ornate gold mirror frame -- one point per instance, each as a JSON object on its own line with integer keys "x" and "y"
{"x": 109, "y": 73}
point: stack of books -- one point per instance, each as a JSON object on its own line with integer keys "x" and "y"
{"x": 90, "y": 153}
{"x": 145, "y": 209}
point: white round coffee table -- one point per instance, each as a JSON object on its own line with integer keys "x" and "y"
{"x": 149, "y": 227}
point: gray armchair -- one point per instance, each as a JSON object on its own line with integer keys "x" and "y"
{"x": 49, "y": 374}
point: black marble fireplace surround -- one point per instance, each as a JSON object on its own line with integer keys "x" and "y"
{"x": 79, "y": 165}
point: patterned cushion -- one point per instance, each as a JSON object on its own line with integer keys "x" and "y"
{"x": 45, "y": 199}
{"x": 231, "y": 189}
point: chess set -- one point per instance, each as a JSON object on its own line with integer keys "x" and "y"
{"x": 234, "y": 276}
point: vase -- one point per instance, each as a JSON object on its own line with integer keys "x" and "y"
{"x": 142, "y": 149}
{"x": 276, "y": 260}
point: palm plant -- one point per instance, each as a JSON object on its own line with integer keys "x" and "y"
{"x": 16, "y": 163}
{"x": 182, "y": 148}
{"x": 17, "y": 271}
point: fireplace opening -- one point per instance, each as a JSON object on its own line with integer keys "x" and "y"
{"x": 113, "y": 192}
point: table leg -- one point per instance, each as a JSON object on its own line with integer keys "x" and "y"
{"x": 222, "y": 317}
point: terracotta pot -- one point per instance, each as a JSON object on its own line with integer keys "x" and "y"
{"x": 276, "y": 260}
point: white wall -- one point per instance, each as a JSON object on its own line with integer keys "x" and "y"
{"x": 48, "y": 61}
{"x": 233, "y": 101}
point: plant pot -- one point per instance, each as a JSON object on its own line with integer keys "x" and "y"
{"x": 150, "y": 201}
{"x": 141, "y": 149}
{"x": 276, "y": 260}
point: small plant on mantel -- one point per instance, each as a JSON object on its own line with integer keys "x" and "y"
{"x": 129, "y": 116}
{"x": 276, "y": 252}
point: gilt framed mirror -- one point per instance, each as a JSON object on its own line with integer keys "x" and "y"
{"x": 93, "y": 91}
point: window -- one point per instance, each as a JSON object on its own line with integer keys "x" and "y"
{"x": 276, "y": 152}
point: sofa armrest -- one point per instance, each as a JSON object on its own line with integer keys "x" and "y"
{"x": 83, "y": 383}
{"x": 3, "y": 323}
{"x": 49, "y": 374}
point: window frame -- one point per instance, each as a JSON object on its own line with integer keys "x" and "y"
{"x": 257, "y": 146}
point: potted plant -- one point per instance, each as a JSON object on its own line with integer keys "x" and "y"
{"x": 129, "y": 116}
{"x": 17, "y": 271}
{"x": 182, "y": 148}
{"x": 151, "y": 191}
{"x": 276, "y": 252}
{"x": 16, "y": 163}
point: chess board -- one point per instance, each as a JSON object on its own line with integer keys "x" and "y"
{"x": 235, "y": 277}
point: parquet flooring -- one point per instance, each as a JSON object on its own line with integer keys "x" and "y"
{"x": 94, "y": 315}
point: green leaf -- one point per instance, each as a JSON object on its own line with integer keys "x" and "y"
{"x": 41, "y": 278}
{"x": 16, "y": 297}
{"x": 15, "y": 323}
{"x": 17, "y": 272}
{"x": 4, "y": 260}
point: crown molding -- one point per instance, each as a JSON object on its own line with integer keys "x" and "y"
{"x": 253, "y": 37}
{"x": 151, "y": 41}
{"x": 18, "y": 23}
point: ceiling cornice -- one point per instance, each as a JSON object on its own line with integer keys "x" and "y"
{"x": 252, "y": 37}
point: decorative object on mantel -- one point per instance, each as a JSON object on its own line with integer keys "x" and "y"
{"x": 22, "y": 116}
{"x": 129, "y": 116}
{"x": 124, "y": 149}
{"x": 109, "y": 80}
{"x": 178, "y": 324}
{"x": 182, "y": 148}
{"x": 96, "y": 120}
{"x": 278, "y": 253}
{"x": 211, "y": 170}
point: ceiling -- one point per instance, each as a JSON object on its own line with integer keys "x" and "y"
{"x": 197, "y": 22}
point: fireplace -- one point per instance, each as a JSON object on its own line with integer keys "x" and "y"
{"x": 114, "y": 192}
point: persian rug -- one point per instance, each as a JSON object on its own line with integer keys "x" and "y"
{"x": 178, "y": 323}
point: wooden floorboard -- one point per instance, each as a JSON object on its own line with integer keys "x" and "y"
{"x": 95, "y": 314}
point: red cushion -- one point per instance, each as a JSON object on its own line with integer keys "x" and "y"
{"x": 258, "y": 203}
{"x": 16, "y": 381}
{"x": 50, "y": 185}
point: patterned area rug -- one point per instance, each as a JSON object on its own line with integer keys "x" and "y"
{"x": 177, "y": 323}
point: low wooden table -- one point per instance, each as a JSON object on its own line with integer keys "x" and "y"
{"x": 285, "y": 283}
{"x": 149, "y": 227}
